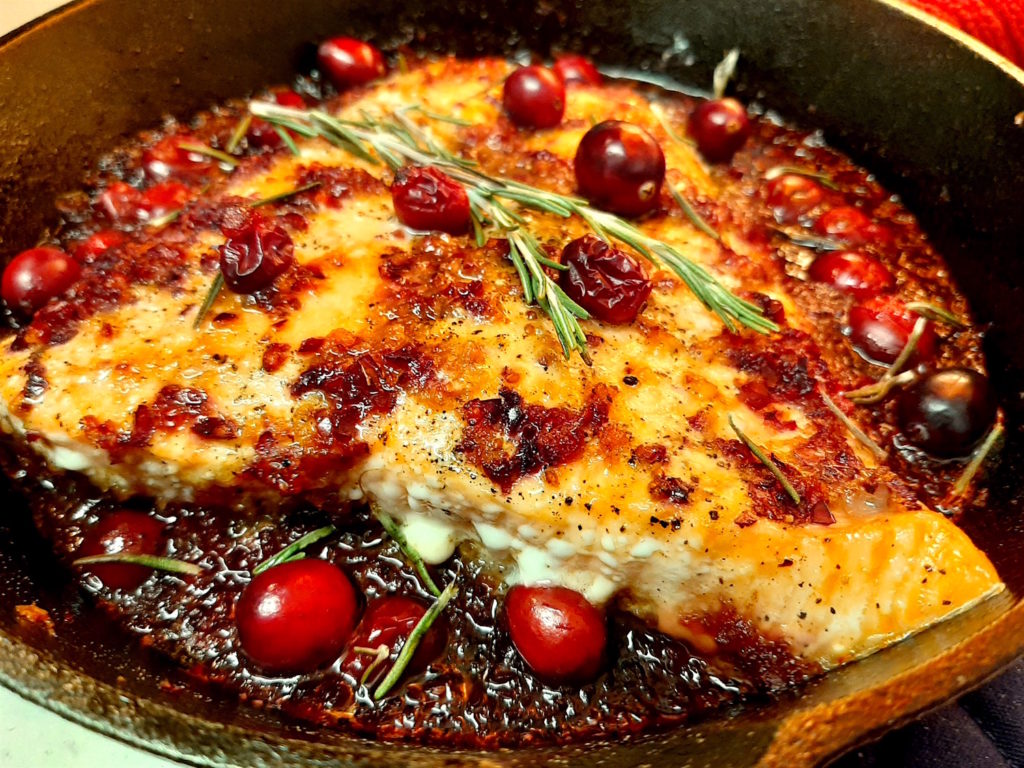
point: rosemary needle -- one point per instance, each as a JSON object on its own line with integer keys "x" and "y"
{"x": 148, "y": 561}
{"x": 294, "y": 550}
{"x": 410, "y": 646}
{"x": 395, "y": 532}
{"x": 768, "y": 463}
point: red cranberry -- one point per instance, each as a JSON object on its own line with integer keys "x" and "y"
{"x": 389, "y": 621}
{"x": 853, "y": 272}
{"x": 296, "y": 617}
{"x": 348, "y": 62}
{"x": 119, "y": 201}
{"x": 120, "y": 532}
{"x": 577, "y": 70}
{"x": 263, "y": 134}
{"x": 96, "y": 244}
{"x": 604, "y": 280}
{"x": 253, "y": 258}
{"x": 620, "y": 167}
{"x": 880, "y": 328}
{"x": 162, "y": 199}
{"x": 851, "y": 227}
{"x": 166, "y": 158}
{"x": 947, "y": 412}
{"x": 37, "y": 275}
{"x": 534, "y": 97}
{"x": 720, "y": 127}
{"x": 791, "y": 196}
{"x": 558, "y": 633}
{"x": 426, "y": 198}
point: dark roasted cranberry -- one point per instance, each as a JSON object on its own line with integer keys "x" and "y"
{"x": 534, "y": 97}
{"x": 558, "y": 633}
{"x": 167, "y": 159}
{"x": 577, "y": 70}
{"x": 263, "y": 134}
{"x": 850, "y": 227}
{"x": 97, "y": 244}
{"x": 348, "y": 62}
{"x": 720, "y": 127}
{"x": 296, "y": 617}
{"x": 253, "y": 258}
{"x": 853, "y": 272}
{"x": 880, "y": 328}
{"x": 791, "y": 196}
{"x": 37, "y": 275}
{"x": 125, "y": 532}
{"x": 119, "y": 201}
{"x": 161, "y": 199}
{"x": 604, "y": 280}
{"x": 620, "y": 167}
{"x": 426, "y": 198}
{"x": 947, "y": 412}
{"x": 389, "y": 621}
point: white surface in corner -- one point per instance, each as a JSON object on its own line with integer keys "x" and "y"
{"x": 30, "y": 736}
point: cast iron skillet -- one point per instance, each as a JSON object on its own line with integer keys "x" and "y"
{"x": 930, "y": 112}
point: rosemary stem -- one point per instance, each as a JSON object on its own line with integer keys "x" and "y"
{"x": 148, "y": 561}
{"x": 856, "y": 431}
{"x": 294, "y": 550}
{"x": 395, "y": 532}
{"x": 977, "y": 459}
{"x": 768, "y": 463}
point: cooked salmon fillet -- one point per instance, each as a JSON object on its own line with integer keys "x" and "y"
{"x": 404, "y": 368}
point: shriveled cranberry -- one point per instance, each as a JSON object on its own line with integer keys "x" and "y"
{"x": 263, "y": 134}
{"x": 119, "y": 201}
{"x": 790, "y": 196}
{"x": 558, "y": 633}
{"x": 534, "y": 97}
{"x": 253, "y": 258}
{"x": 37, "y": 275}
{"x": 881, "y": 326}
{"x": 97, "y": 244}
{"x": 853, "y": 272}
{"x": 851, "y": 227}
{"x": 123, "y": 532}
{"x": 427, "y": 198}
{"x": 389, "y": 621}
{"x": 604, "y": 280}
{"x": 161, "y": 199}
{"x": 574, "y": 69}
{"x": 347, "y": 61}
{"x": 620, "y": 167}
{"x": 947, "y": 412}
{"x": 297, "y": 616}
{"x": 167, "y": 159}
{"x": 720, "y": 127}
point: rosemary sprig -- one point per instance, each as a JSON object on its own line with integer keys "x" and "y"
{"x": 410, "y": 645}
{"x": 856, "y": 431}
{"x": 982, "y": 453}
{"x": 397, "y": 141}
{"x": 792, "y": 170}
{"x": 155, "y": 562}
{"x": 216, "y": 154}
{"x": 395, "y": 532}
{"x": 693, "y": 216}
{"x": 768, "y": 463}
{"x": 294, "y": 550}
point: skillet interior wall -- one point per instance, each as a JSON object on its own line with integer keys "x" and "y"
{"x": 936, "y": 122}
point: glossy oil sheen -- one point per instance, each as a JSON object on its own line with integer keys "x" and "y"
{"x": 930, "y": 115}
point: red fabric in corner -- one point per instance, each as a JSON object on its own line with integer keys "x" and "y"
{"x": 997, "y": 23}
